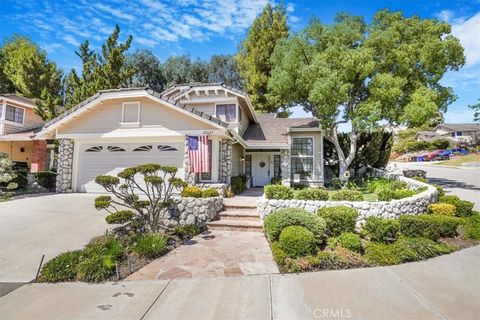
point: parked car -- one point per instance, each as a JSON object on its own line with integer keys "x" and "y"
{"x": 434, "y": 155}
{"x": 445, "y": 155}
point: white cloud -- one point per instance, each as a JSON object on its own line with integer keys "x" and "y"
{"x": 146, "y": 42}
{"x": 468, "y": 31}
{"x": 71, "y": 40}
{"x": 114, "y": 12}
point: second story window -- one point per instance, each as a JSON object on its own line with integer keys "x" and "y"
{"x": 227, "y": 112}
{"x": 14, "y": 114}
{"x": 131, "y": 112}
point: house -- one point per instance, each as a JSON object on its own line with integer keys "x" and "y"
{"x": 468, "y": 133}
{"x": 18, "y": 126}
{"x": 119, "y": 128}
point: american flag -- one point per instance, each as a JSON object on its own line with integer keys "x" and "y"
{"x": 199, "y": 154}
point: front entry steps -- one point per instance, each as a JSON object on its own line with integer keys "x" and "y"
{"x": 238, "y": 218}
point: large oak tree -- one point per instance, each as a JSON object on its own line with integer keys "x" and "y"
{"x": 387, "y": 72}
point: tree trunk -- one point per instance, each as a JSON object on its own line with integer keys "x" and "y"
{"x": 343, "y": 162}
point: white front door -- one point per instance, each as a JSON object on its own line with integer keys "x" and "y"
{"x": 261, "y": 170}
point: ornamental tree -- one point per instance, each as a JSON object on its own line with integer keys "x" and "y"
{"x": 145, "y": 202}
{"x": 387, "y": 72}
{"x": 7, "y": 174}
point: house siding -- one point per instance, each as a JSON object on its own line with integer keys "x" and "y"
{"x": 107, "y": 116}
{"x": 237, "y": 153}
{"x": 32, "y": 121}
{"x": 13, "y": 149}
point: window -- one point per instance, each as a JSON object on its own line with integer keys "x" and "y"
{"x": 248, "y": 165}
{"x": 226, "y": 112}
{"x": 14, "y": 114}
{"x": 115, "y": 149}
{"x": 131, "y": 112}
{"x": 302, "y": 157}
{"x": 276, "y": 166}
{"x": 143, "y": 148}
{"x": 94, "y": 149}
{"x": 208, "y": 175}
{"x": 163, "y": 147}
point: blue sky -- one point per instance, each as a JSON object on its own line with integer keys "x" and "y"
{"x": 203, "y": 28}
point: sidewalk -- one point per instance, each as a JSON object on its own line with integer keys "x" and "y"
{"x": 446, "y": 287}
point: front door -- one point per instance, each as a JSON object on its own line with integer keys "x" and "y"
{"x": 261, "y": 170}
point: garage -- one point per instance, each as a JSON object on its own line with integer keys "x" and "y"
{"x": 99, "y": 159}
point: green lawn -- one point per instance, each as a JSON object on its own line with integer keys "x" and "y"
{"x": 458, "y": 161}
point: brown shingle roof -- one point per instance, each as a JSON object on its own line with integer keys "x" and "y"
{"x": 459, "y": 126}
{"x": 270, "y": 129}
{"x": 16, "y": 97}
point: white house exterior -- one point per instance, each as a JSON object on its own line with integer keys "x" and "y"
{"x": 115, "y": 129}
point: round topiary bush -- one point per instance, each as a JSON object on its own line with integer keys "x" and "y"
{"x": 346, "y": 195}
{"x": 348, "y": 240}
{"x": 274, "y": 223}
{"x": 297, "y": 241}
{"x": 274, "y": 191}
{"x": 312, "y": 194}
{"x": 339, "y": 219}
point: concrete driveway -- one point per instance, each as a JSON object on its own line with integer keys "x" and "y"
{"x": 47, "y": 224}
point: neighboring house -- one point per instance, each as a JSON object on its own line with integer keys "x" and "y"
{"x": 18, "y": 126}
{"x": 467, "y": 133}
{"x": 115, "y": 129}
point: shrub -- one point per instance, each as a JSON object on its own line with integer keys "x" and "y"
{"x": 336, "y": 183}
{"x": 297, "y": 241}
{"x": 339, "y": 219}
{"x": 278, "y": 192}
{"x": 274, "y": 223}
{"x": 388, "y": 193}
{"x": 46, "y": 179}
{"x": 346, "y": 195}
{"x": 276, "y": 181}
{"x": 187, "y": 230}
{"x": 380, "y": 229}
{"x": 440, "y": 190}
{"x": 348, "y": 240}
{"x": 210, "y": 193}
{"x": 62, "y": 268}
{"x": 119, "y": 217}
{"x": 239, "y": 184}
{"x": 428, "y": 225}
{"x": 442, "y": 208}
{"x": 471, "y": 226}
{"x": 327, "y": 260}
{"x": 441, "y": 143}
{"x": 150, "y": 245}
{"x": 193, "y": 192}
{"x": 415, "y": 173}
{"x": 404, "y": 250}
{"x": 380, "y": 183}
{"x": 278, "y": 254}
{"x": 20, "y": 180}
{"x": 421, "y": 179}
{"x": 105, "y": 246}
{"x": 464, "y": 208}
{"x": 312, "y": 194}
{"x": 94, "y": 269}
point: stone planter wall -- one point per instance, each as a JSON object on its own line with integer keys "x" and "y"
{"x": 416, "y": 204}
{"x": 64, "y": 167}
{"x": 226, "y": 162}
{"x": 193, "y": 211}
{"x": 220, "y": 187}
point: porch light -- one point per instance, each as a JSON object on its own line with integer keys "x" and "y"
{"x": 242, "y": 158}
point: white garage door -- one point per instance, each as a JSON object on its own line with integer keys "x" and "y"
{"x": 111, "y": 158}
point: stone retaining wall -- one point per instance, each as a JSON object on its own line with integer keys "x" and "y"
{"x": 197, "y": 211}
{"x": 415, "y": 204}
{"x": 220, "y": 187}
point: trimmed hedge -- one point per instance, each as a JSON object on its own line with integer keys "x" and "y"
{"x": 348, "y": 240}
{"x": 194, "y": 192}
{"x": 274, "y": 191}
{"x": 278, "y": 254}
{"x": 339, "y": 219}
{"x": 429, "y": 226}
{"x": 275, "y": 222}
{"x": 471, "y": 226}
{"x": 210, "y": 193}
{"x": 312, "y": 194}
{"x": 346, "y": 195}
{"x": 464, "y": 208}
{"x": 381, "y": 229}
{"x": 297, "y": 241}
{"x": 442, "y": 208}
{"x": 404, "y": 250}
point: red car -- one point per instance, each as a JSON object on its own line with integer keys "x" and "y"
{"x": 433, "y": 155}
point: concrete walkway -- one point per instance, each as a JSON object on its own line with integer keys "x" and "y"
{"x": 446, "y": 287}
{"x": 246, "y": 198}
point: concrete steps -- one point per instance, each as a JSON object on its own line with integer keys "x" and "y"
{"x": 238, "y": 218}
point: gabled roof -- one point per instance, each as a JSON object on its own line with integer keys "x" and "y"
{"x": 131, "y": 92}
{"x": 458, "y": 127}
{"x": 22, "y": 135}
{"x": 185, "y": 88}
{"x": 273, "y": 130}
{"x": 18, "y": 99}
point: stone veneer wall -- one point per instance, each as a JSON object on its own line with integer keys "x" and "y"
{"x": 220, "y": 187}
{"x": 64, "y": 167}
{"x": 415, "y": 204}
{"x": 226, "y": 162}
{"x": 197, "y": 211}
{"x": 189, "y": 176}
